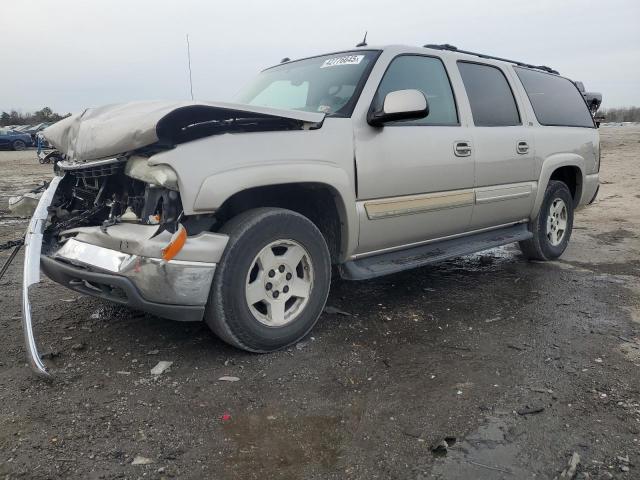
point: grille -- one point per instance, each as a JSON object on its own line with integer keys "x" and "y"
{"x": 98, "y": 171}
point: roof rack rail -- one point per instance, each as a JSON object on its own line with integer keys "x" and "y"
{"x": 446, "y": 46}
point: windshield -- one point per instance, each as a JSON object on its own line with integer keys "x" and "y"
{"x": 328, "y": 84}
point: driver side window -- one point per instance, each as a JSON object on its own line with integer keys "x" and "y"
{"x": 428, "y": 75}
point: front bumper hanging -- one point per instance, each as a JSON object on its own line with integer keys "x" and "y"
{"x": 120, "y": 265}
{"x": 31, "y": 272}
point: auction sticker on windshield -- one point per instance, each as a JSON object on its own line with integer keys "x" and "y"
{"x": 346, "y": 60}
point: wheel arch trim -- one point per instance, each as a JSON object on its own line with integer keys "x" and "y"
{"x": 218, "y": 188}
{"x": 549, "y": 166}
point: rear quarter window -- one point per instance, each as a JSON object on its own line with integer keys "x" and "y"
{"x": 556, "y": 101}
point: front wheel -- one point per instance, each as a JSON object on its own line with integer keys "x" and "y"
{"x": 552, "y": 226}
{"x": 272, "y": 282}
{"x": 19, "y": 145}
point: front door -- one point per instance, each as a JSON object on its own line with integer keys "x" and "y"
{"x": 415, "y": 178}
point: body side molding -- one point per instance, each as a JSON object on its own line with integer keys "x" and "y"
{"x": 427, "y": 202}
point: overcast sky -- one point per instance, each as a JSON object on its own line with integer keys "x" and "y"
{"x": 73, "y": 54}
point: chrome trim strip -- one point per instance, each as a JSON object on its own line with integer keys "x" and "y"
{"x": 190, "y": 263}
{"x": 31, "y": 272}
{"x": 68, "y": 165}
{"x": 433, "y": 240}
{"x": 78, "y": 253}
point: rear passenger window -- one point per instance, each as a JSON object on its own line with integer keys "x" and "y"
{"x": 555, "y": 100}
{"x": 490, "y": 96}
{"x": 428, "y": 75}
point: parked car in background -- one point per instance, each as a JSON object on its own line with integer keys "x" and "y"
{"x": 34, "y": 129}
{"x": 20, "y": 128}
{"x": 14, "y": 140}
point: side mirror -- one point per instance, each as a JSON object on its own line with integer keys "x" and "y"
{"x": 400, "y": 105}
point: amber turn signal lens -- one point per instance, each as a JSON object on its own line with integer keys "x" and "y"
{"x": 178, "y": 240}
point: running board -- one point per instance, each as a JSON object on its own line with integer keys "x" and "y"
{"x": 397, "y": 261}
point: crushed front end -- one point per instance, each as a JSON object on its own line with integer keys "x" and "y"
{"x": 115, "y": 229}
{"x": 112, "y": 225}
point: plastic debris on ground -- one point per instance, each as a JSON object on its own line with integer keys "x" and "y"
{"x": 161, "y": 367}
{"x": 140, "y": 460}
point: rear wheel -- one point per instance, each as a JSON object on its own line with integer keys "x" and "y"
{"x": 553, "y": 225}
{"x": 19, "y": 145}
{"x": 272, "y": 282}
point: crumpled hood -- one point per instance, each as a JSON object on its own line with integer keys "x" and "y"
{"x": 115, "y": 129}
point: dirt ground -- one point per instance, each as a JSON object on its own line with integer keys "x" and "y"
{"x": 468, "y": 349}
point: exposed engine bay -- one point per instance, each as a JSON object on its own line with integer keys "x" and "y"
{"x": 104, "y": 186}
{"x": 104, "y": 193}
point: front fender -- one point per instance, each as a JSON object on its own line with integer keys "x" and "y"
{"x": 550, "y": 165}
{"x": 219, "y": 187}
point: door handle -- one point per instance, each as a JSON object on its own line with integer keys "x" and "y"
{"x": 522, "y": 148}
{"x": 462, "y": 149}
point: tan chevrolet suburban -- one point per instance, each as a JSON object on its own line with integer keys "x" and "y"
{"x": 373, "y": 160}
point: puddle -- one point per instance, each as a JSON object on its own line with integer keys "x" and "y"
{"x": 483, "y": 455}
{"x": 497, "y": 255}
{"x": 572, "y": 266}
{"x": 281, "y": 446}
{"x": 614, "y": 237}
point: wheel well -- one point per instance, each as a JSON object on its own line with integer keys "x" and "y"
{"x": 572, "y": 178}
{"x": 319, "y": 202}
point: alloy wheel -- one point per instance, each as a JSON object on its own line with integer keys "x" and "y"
{"x": 557, "y": 222}
{"x": 279, "y": 283}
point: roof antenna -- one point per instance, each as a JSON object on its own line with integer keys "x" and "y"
{"x": 363, "y": 43}
{"x": 189, "y": 60}
{"x": 285, "y": 60}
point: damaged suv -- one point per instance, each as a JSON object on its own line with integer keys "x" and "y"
{"x": 373, "y": 160}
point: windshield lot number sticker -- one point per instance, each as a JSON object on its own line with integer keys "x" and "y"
{"x": 347, "y": 60}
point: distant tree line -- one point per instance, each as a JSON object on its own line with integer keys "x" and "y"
{"x": 626, "y": 114}
{"x": 16, "y": 118}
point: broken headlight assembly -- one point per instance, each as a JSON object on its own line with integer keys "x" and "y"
{"x": 112, "y": 191}
{"x": 138, "y": 167}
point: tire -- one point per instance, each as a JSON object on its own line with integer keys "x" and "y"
{"x": 263, "y": 242}
{"x": 552, "y": 226}
{"x": 19, "y": 145}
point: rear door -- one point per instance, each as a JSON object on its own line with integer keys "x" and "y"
{"x": 413, "y": 185}
{"x": 563, "y": 121}
{"x": 503, "y": 147}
